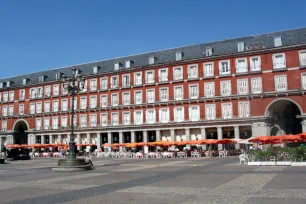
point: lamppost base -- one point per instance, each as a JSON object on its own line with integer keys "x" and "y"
{"x": 68, "y": 165}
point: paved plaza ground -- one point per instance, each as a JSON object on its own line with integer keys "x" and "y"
{"x": 152, "y": 181}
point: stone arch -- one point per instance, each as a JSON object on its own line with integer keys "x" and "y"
{"x": 281, "y": 99}
{"x": 282, "y": 116}
{"x": 20, "y": 135}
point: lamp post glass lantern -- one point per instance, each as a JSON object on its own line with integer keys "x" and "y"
{"x": 73, "y": 85}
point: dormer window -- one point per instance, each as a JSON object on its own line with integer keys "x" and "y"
{"x": 77, "y": 72}
{"x": 58, "y": 76}
{"x": 1, "y": 85}
{"x": 240, "y": 46}
{"x": 117, "y": 66}
{"x": 278, "y": 41}
{"x": 178, "y": 56}
{"x": 8, "y": 84}
{"x": 24, "y": 81}
{"x": 151, "y": 60}
{"x": 41, "y": 79}
{"x": 128, "y": 64}
{"x": 208, "y": 51}
{"x": 95, "y": 69}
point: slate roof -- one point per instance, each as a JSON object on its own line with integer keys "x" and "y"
{"x": 224, "y": 47}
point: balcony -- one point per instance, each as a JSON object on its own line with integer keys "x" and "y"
{"x": 162, "y": 79}
{"x": 114, "y": 86}
{"x": 93, "y": 88}
{"x": 303, "y": 63}
{"x": 150, "y": 81}
{"x": 193, "y": 75}
{"x": 126, "y": 85}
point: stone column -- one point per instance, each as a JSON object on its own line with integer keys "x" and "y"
{"x": 68, "y": 138}
{"x": 42, "y": 139}
{"x": 29, "y": 139}
{"x": 132, "y": 136}
{"x": 1, "y": 144}
{"x": 79, "y": 141}
{"x": 109, "y": 140}
{"x": 99, "y": 141}
{"x": 145, "y": 139}
{"x": 158, "y": 136}
{"x": 88, "y": 140}
{"x": 303, "y": 125}
{"x": 203, "y": 137}
{"x": 10, "y": 139}
{"x": 187, "y": 133}
{"x": 172, "y": 134}
{"x": 237, "y": 136}
{"x": 260, "y": 129}
{"x": 59, "y": 139}
{"x": 220, "y": 137}
{"x": 51, "y": 141}
{"x": 120, "y": 141}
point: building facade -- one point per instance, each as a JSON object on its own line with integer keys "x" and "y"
{"x": 236, "y": 88}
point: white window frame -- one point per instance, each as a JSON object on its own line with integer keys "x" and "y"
{"x": 129, "y": 98}
{"x": 245, "y": 68}
{"x": 206, "y": 74}
{"x": 93, "y": 120}
{"x": 225, "y": 115}
{"x": 112, "y": 100}
{"x": 191, "y": 116}
{"x": 128, "y": 83}
{"x": 189, "y": 90}
{"x": 164, "y": 120}
{"x": 5, "y": 110}
{"x": 208, "y": 51}
{"x": 278, "y": 41}
{"x": 95, "y": 104}
{"x": 285, "y": 84}
{"x": 221, "y": 69}
{"x": 5, "y": 96}
{"x": 95, "y": 70}
{"x": 135, "y": 101}
{"x": 163, "y": 78}
{"x": 64, "y": 121}
{"x": 303, "y": 80}
{"x": 160, "y": 94}
{"x": 147, "y": 96}
{"x": 47, "y": 93}
{"x": 302, "y": 60}
{"x": 38, "y": 125}
{"x": 195, "y": 74}
{"x": 11, "y": 110}
{"x": 206, "y": 92}
{"x": 114, "y": 122}
{"x": 179, "y": 76}
{"x": 55, "y": 90}
{"x": 81, "y": 104}
{"x": 229, "y": 92}
{"x": 104, "y": 123}
{"x": 178, "y": 56}
{"x": 141, "y": 117}
{"x": 176, "y": 117}
{"x": 54, "y": 126}
{"x": 46, "y": 123}
{"x": 82, "y": 124}
{"x": 102, "y": 104}
{"x": 252, "y": 85}
{"x": 22, "y": 96}
{"x": 114, "y": 86}
{"x": 274, "y": 59}
{"x": 101, "y": 84}
{"x": 126, "y": 122}
{"x": 182, "y": 94}
{"x": 240, "y": 112}
{"x": 240, "y": 90}
{"x": 127, "y": 64}
{"x": 151, "y": 60}
{"x": 21, "y": 109}
{"x": 147, "y": 79}
{"x": 91, "y": 86}
{"x": 62, "y": 105}
{"x": 147, "y": 116}
{"x": 54, "y": 108}
{"x": 47, "y": 110}
{"x": 136, "y": 83}
{"x": 39, "y": 110}
{"x": 11, "y": 96}
{"x": 211, "y": 116}
{"x": 252, "y": 66}
{"x": 117, "y": 66}
{"x": 241, "y": 46}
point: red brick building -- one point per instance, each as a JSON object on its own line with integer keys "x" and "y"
{"x": 234, "y": 88}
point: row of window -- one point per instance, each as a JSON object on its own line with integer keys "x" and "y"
{"x": 280, "y": 82}
{"x": 164, "y": 116}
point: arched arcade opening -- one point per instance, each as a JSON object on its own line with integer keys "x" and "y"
{"x": 283, "y": 117}
{"x": 20, "y": 134}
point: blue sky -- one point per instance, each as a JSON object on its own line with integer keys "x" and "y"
{"x": 40, "y": 35}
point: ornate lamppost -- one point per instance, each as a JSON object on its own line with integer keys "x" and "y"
{"x": 73, "y": 85}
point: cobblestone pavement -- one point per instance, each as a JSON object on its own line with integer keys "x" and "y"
{"x": 152, "y": 181}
